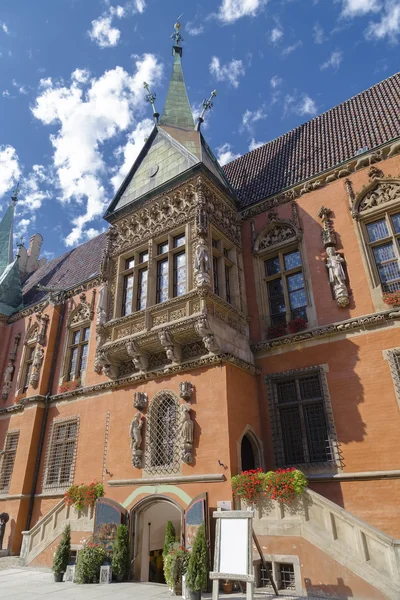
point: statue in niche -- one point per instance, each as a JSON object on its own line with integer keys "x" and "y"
{"x": 8, "y": 377}
{"x": 337, "y": 276}
{"x": 102, "y": 305}
{"x": 202, "y": 264}
{"x": 36, "y": 366}
{"x": 136, "y": 440}
{"x": 4, "y": 518}
{"x": 186, "y": 432}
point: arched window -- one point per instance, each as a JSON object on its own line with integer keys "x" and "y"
{"x": 162, "y": 453}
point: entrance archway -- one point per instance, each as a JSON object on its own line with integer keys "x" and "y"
{"x": 149, "y": 520}
{"x": 247, "y": 455}
{"x": 250, "y": 455}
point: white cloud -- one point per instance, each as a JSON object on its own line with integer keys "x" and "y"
{"x": 5, "y": 94}
{"x": 318, "y": 34}
{"x": 355, "y": 8}
{"x": 231, "y": 10}
{"x": 80, "y": 75}
{"x": 21, "y": 88}
{"x": 389, "y": 25}
{"x": 301, "y": 105}
{"x": 276, "y": 35}
{"x": 194, "y": 29}
{"x": 10, "y": 170}
{"x": 276, "y": 81}
{"x": 229, "y": 72}
{"x": 333, "y": 61}
{"x": 140, "y": 6}
{"x": 252, "y": 116}
{"x": 253, "y": 144}
{"x": 88, "y": 115}
{"x": 225, "y": 154}
{"x": 32, "y": 189}
{"x": 289, "y": 49}
{"x": 134, "y": 143}
{"x": 4, "y": 27}
{"x": 103, "y": 33}
{"x": 22, "y": 227}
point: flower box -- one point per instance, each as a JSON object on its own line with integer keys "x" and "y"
{"x": 283, "y": 485}
{"x": 392, "y": 299}
{"x": 296, "y": 325}
{"x": 276, "y": 330}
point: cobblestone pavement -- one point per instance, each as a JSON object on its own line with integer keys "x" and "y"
{"x": 35, "y": 584}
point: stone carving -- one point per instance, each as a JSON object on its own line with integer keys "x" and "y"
{"x": 334, "y": 261}
{"x": 79, "y": 314}
{"x": 10, "y": 369}
{"x": 109, "y": 368}
{"x": 201, "y": 217}
{"x": 173, "y": 351}
{"x": 140, "y": 400}
{"x": 41, "y": 338}
{"x": 36, "y": 366}
{"x": 186, "y": 433}
{"x": 375, "y": 173}
{"x": 202, "y": 265}
{"x": 276, "y": 235}
{"x": 203, "y": 329}
{"x": 135, "y": 432}
{"x": 369, "y": 159}
{"x": 4, "y": 518}
{"x": 102, "y": 305}
{"x": 384, "y": 192}
{"x": 185, "y": 390}
{"x": 139, "y": 358}
{"x": 100, "y": 339}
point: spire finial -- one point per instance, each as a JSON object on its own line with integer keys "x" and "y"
{"x": 15, "y": 193}
{"x": 151, "y": 98}
{"x": 207, "y": 105}
{"x": 176, "y": 36}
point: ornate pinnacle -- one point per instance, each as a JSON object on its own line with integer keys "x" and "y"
{"x": 176, "y": 36}
{"x": 207, "y": 105}
{"x": 151, "y": 98}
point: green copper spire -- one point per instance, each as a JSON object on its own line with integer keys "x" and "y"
{"x": 6, "y": 237}
{"x": 10, "y": 289}
{"x": 177, "y": 112}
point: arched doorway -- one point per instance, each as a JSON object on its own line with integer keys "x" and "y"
{"x": 250, "y": 451}
{"x": 149, "y": 520}
{"x": 247, "y": 455}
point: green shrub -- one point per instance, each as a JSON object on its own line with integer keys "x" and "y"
{"x": 61, "y": 557}
{"x": 175, "y": 565}
{"x": 197, "y": 572}
{"x": 120, "y": 562}
{"x": 89, "y": 562}
{"x": 170, "y": 538}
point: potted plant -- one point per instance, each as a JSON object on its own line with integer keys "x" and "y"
{"x": 120, "y": 561}
{"x": 61, "y": 557}
{"x": 175, "y": 566}
{"x": 197, "y": 572}
{"x": 90, "y": 559}
{"x": 83, "y": 496}
{"x": 227, "y": 586}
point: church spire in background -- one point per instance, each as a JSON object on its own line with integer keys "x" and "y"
{"x": 6, "y": 233}
{"x": 10, "y": 278}
{"x": 177, "y": 111}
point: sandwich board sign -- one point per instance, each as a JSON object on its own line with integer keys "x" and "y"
{"x": 233, "y": 558}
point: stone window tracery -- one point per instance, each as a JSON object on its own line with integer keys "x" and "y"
{"x": 61, "y": 453}
{"x": 162, "y": 426}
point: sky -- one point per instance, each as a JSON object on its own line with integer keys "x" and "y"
{"x": 73, "y": 115}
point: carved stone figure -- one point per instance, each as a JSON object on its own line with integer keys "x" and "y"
{"x": 140, "y": 359}
{"x": 172, "y": 350}
{"x": 202, "y": 326}
{"x": 337, "y": 276}
{"x": 109, "y": 369}
{"x": 165, "y": 338}
{"x": 140, "y": 400}
{"x": 279, "y": 233}
{"x": 4, "y": 518}
{"x": 36, "y": 366}
{"x": 135, "y": 432}
{"x": 203, "y": 329}
{"x": 210, "y": 343}
{"x": 385, "y": 192}
{"x": 185, "y": 390}
{"x": 102, "y": 304}
{"x": 8, "y": 376}
{"x": 202, "y": 264}
{"x": 186, "y": 433}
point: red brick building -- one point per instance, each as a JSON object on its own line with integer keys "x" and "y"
{"x": 253, "y": 297}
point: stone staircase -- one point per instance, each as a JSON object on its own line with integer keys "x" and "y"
{"x": 51, "y": 526}
{"x": 364, "y": 550}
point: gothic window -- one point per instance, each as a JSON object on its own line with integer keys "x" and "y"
{"x": 134, "y": 282}
{"x": 61, "y": 453}
{"x": 284, "y": 280}
{"x": 301, "y": 417}
{"x": 78, "y": 353}
{"x": 171, "y": 268}
{"x": 7, "y": 460}
{"x": 383, "y": 238}
{"x": 27, "y": 369}
{"x": 222, "y": 264}
{"x": 161, "y": 454}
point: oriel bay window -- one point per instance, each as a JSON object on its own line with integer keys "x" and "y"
{"x": 384, "y": 246}
{"x": 78, "y": 353}
{"x": 284, "y": 279}
{"x": 171, "y": 268}
{"x": 134, "y": 283}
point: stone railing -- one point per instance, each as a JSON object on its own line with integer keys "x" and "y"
{"x": 366, "y": 551}
{"x": 51, "y": 526}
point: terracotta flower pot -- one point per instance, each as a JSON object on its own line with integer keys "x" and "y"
{"x": 227, "y": 587}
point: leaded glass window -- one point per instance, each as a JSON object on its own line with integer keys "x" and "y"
{"x": 284, "y": 278}
{"x": 162, "y": 280}
{"x": 384, "y": 243}
{"x": 162, "y": 452}
{"x": 179, "y": 274}
{"x": 30, "y": 353}
{"x": 142, "y": 289}
{"x": 134, "y": 283}
{"x": 78, "y": 353}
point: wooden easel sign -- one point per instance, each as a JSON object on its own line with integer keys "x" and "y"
{"x": 233, "y": 558}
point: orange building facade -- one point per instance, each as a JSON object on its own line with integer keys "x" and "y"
{"x": 218, "y": 326}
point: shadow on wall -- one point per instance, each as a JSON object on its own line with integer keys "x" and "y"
{"x": 330, "y": 590}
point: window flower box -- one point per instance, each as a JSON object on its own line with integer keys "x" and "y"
{"x": 392, "y": 299}
{"x": 296, "y": 325}
{"x": 276, "y": 331}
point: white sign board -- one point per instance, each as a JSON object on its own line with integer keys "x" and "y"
{"x": 233, "y": 551}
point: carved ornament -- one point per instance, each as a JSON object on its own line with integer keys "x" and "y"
{"x": 383, "y": 191}
{"x": 186, "y": 427}
{"x": 135, "y": 433}
{"x": 334, "y": 260}
{"x": 36, "y": 367}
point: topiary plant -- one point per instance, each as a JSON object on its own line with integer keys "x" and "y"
{"x": 170, "y": 538}
{"x": 197, "y": 573}
{"x": 61, "y": 557}
{"x": 120, "y": 561}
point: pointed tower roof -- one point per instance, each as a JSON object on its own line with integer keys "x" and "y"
{"x": 177, "y": 111}
{"x": 6, "y": 237}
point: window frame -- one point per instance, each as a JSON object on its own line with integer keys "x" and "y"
{"x": 152, "y": 436}
{"x": 29, "y": 356}
{"x": 79, "y": 372}
{"x": 385, "y": 213}
{"x": 138, "y": 267}
{"x": 173, "y": 249}
{"x": 8, "y": 452}
{"x": 222, "y": 264}
{"x": 50, "y": 454}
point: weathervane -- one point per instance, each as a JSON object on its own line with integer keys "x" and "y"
{"x": 207, "y": 105}
{"x": 177, "y": 35}
{"x": 15, "y": 193}
{"x": 151, "y": 98}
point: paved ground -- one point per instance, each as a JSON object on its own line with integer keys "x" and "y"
{"x": 33, "y": 584}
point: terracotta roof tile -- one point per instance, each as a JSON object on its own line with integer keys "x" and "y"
{"x": 367, "y": 120}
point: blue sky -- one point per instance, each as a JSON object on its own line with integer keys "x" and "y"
{"x": 72, "y": 111}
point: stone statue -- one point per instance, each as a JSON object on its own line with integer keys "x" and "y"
{"x": 8, "y": 376}
{"x": 136, "y": 440}
{"x": 102, "y": 304}
{"x": 186, "y": 433}
{"x": 202, "y": 264}
{"x": 36, "y": 366}
{"x": 4, "y": 518}
{"x": 337, "y": 276}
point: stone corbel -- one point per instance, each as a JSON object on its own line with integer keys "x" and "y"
{"x": 172, "y": 350}
{"x": 140, "y": 359}
{"x": 203, "y": 329}
{"x": 109, "y": 368}
{"x": 334, "y": 261}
